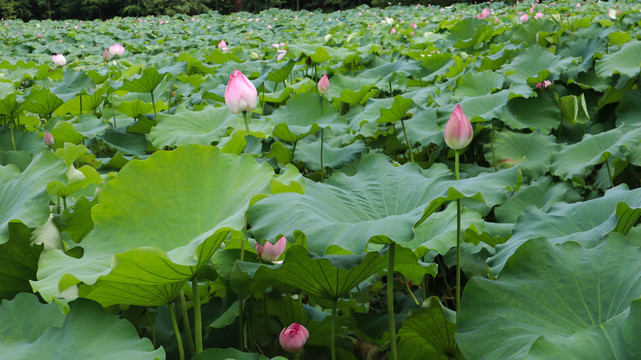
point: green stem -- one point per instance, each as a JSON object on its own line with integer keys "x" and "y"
{"x": 198, "y": 323}
{"x": 186, "y": 325}
{"x": 332, "y": 337}
{"x": 246, "y": 120}
{"x": 409, "y": 290}
{"x": 64, "y": 203}
{"x": 174, "y": 324}
{"x": 607, "y": 164}
{"x": 321, "y": 155}
{"x": 390, "y": 302}
{"x": 153, "y": 330}
{"x": 407, "y": 141}
{"x": 13, "y": 140}
{"x": 492, "y": 147}
{"x": 153, "y": 104}
{"x": 458, "y": 236}
{"x": 113, "y": 111}
{"x": 262, "y": 101}
{"x": 80, "y": 104}
{"x": 241, "y": 320}
{"x": 293, "y": 150}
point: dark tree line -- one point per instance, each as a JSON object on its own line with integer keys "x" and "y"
{"x": 104, "y": 9}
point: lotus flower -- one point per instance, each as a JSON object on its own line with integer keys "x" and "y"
{"x": 484, "y": 14}
{"x": 48, "y": 139}
{"x": 106, "y": 55}
{"x": 222, "y": 45}
{"x": 240, "y": 94}
{"x": 271, "y": 252}
{"x": 116, "y": 50}
{"x": 293, "y": 337}
{"x": 281, "y": 55}
{"x": 59, "y": 60}
{"x": 524, "y": 18}
{"x": 538, "y": 15}
{"x": 323, "y": 84}
{"x": 543, "y": 85}
{"x": 393, "y": 31}
{"x": 458, "y": 130}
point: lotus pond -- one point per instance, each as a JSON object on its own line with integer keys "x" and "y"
{"x": 133, "y": 201}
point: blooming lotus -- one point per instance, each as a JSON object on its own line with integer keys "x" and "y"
{"x": 59, "y": 60}
{"x": 323, "y": 84}
{"x": 116, "y": 50}
{"x": 270, "y": 252}
{"x": 484, "y": 14}
{"x": 524, "y": 18}
{"x": 240, "y": 94}
{"x": 293, "y": 337}
{"x": 458, "y": 130}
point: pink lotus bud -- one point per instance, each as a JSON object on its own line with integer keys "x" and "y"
{"x": 240, "y": 94}
{"x": 116, "y": 50}
{"x": 106, "y": 55}
{"x": 458, "y": 130}
{"x": 48, "y": 139}
{"x": 393, "y": 31}
{"x": 323, "y": 84}
{"x": 222, "y": 45}
{"x": 59, "y": 60}
{"x": 484, "y": 14}
{"x": 270, "y": 252}
{"x": 293, "y": 337}
{"x": 281, "y": 55}
{"x": 538, "y": 15}
{"x": 525, "y": 18}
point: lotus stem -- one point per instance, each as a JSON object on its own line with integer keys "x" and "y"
{"x": 492, "y": 147}
{"x": 241, "y": 320}
{"x": 198, "y": 323}
{"x": 186, "y": 325}
{"x": 13, "y": 140}
{"x": 332, "y": 337}
{"x": 113, "y": 111}
{"x": 293, "y": 150}
{"x": 246, "y": 120}
{"x": 174, "y": 324}
{"x": 458, "y": 236}
{"x": 390, "y": 301}
{"x": 607, "y": 165}
{"x": 407, "y": 141}
{"x": 153, "y": 330}
{"x": 409, "y": 290}
{"x": 321, "y": 155}
{"x": 153, "y": 105}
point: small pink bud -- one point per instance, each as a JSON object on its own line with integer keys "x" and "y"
{"x": 393, "y": 31}
{"x": 270, "y": 252}
{"x": 323, "y": 84}
{"x": 525, "y": 18}
{"x": 293, "y": 337}
{"x": 458, "y": 130}
{"x": 222, "y": 45}
{"x": 281, "y": 55}
{"x": 240, "y": 94}
{"x": 116, "y": 50}
{"x": 59, "y": 60}
{"x": 538, "y": 15}
{"x": 106, "y": 55}
{"x": 48, "y": 139}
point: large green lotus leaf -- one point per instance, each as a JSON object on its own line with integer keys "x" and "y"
{"x": 625, "y": 61}
{"x": 628, "y": 111}
{"x": 485, "y": 107}
{"x": 22, "y": 195}
{"x": 328, "y": 277}
{"x": 168, "y": 213}
{"x": 438, "y": 232}
{"x": 468, "y": 32}
{"x": 583, "y": 48}
{"x": 382, "y": 74}
{"x": 191, "y": 127}
{"x": 542, "y": 193}
{"x": 576, "y": 160}
{"x": 18, "y": 262}
{"x": 380, "y": 201}
{"x": 125, "y": 142}
{"x": 425, "y": 127}
{"x": 25, "y": 319}
{"x": 25, "y": 141}
{"x": 342, "y": 85}
{"x": 48, "y": 334}
{"x": 363, "y": 119}
{"x": 89, "y": 103}
{"x": 585, "y": 222}
{"x": 304, "y": 114}
{"x": 537, "y": 113}
{"x": 536, "y": 64}
{"x": 397, "y": 111}
{"x": 145, "y": 82}
{"x": 73, "y": 82}
{"x": 335, "y": 154}
{"x": 429, "y": 333}
{"x": 553, "y": 295}
{"x": 42, "y": 101}
{"x": 531, "y": 152}
{"x": 475, "y": 84}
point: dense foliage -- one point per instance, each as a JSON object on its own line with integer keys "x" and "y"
{"x": 135, "y": 203}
